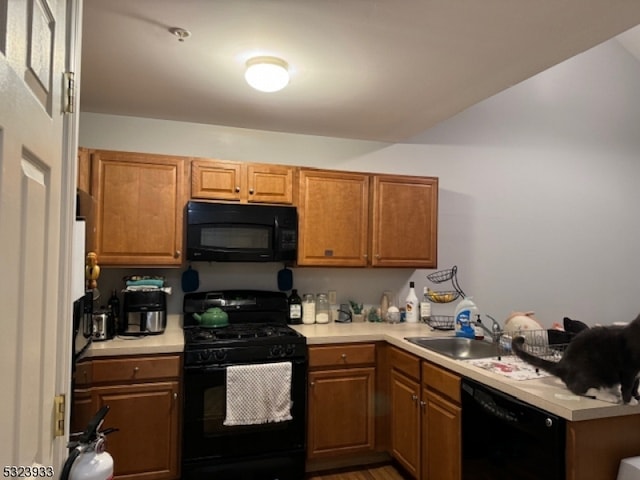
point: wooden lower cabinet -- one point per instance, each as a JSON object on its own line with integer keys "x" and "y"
{"x": 426, "y": 417}
{"x": 341, "y": 419}
{"x": 143, "y": 395}
{"x": 441, "y": 442}
{"x": 405, "y": 424}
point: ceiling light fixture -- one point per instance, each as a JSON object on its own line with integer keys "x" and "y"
{"x": 267, "y": 74}
{"x": 181, "y": 33}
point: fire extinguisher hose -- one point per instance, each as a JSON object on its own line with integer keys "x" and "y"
{"x": 66, "y": 469}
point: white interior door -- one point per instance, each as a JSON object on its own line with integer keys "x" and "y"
{"x": 36, "y": 213}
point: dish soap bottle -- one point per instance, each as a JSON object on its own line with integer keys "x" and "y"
{"x": 412, "y": 305}
{"x": 465, "y": 312}
{"x": 479, "y": 332}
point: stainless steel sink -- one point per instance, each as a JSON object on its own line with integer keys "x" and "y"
{"x": 458, "y": 348}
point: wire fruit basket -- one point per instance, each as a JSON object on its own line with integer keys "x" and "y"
{"x": 440, "y": 322}
{"x": 442, "y": 296}
{"x": 442, "y": 276}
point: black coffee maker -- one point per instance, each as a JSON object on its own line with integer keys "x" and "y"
{"x": 144, "y": 312}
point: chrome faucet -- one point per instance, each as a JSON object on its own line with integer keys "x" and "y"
{"x": 496, "y": 330}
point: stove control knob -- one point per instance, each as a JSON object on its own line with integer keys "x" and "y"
{"x": 204, "y": 355}
{"x": 277, "y": 351}
{"x": 289, "y": 350}
{"x": 220, "y": 354}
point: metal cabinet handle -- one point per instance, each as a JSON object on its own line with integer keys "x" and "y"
{"x": 177, "y": 254}
{"x": 136, "y": 369}
{"x": 237, "y": 189}
{"x": 414, "y": 397}
{"x": 423, "y": 403}
{"x": 251, "y": 191}
{"x": 175, "y": 396}
{"x": 343, "y": 356}
{"x": 312, "y": 384}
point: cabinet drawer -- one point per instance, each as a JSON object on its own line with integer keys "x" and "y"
{"x": 133, "y": 369}
{"x": 342, "y": 355}
{"x": 405, "y": 363}
{"x": 83, "y": 374}
{"x": 441, "y": 380}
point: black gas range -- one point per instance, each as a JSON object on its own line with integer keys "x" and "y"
{"x": 257, "y": 333}
{"x": 257, "y": 329}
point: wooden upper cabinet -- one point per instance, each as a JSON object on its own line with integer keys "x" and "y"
{"x": 404, "y": 221}
{"x": 84, "y": 170}
{"x": 351, "y": 219}
{"x": 333, "y": 218}
{"x": 140, "y": 203}
{"x": 241, "y": 182}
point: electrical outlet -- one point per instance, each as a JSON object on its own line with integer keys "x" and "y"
{"x": 333, "y": 297}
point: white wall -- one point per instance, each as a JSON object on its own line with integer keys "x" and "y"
{"x": 537, "y": 192}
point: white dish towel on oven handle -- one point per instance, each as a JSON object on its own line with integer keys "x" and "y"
{"x": 259, "y": 393}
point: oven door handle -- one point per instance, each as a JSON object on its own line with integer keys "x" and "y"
{"x": 222, "y": 367}
{"x": 205, "y": 368}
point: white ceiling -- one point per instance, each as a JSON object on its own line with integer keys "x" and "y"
{"x": 363, "y": 69}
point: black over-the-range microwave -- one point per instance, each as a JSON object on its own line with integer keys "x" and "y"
{"x": 226, "y": 232}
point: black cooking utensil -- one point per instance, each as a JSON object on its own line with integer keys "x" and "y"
{"x": 190, "y": 280}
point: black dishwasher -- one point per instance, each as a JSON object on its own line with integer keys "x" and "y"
{"x": 504, "y": 438}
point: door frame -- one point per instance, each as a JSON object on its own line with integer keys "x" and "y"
{"x": 64, "y": 345}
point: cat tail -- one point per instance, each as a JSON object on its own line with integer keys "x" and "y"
{"x": 547, "y": 365}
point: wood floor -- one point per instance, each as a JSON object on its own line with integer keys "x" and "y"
{"x": 386, "y": 472}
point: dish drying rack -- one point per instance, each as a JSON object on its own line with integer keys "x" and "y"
{"x": 536, "y": 342}
{"x": 444, "y": 322}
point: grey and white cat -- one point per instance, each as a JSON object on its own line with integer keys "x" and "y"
{"x": 602, "y": 362}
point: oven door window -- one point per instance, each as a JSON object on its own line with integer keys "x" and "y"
{"x": 205, "y": 434}
{"x": 236, "y": 237}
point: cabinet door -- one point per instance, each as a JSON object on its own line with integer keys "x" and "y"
{"x": 333, "y": 218}
{"x": 84, "y": 170}
{"x": 441, "y": 441}
{"x": 82, "y": 410}
{"x": 146, "y": 416}
{"x": 269, "y": 183}
{"x": 405, "y": 221}
{"x": 405, "y": 422}
{"x": 140, "y": 203}
{"x": 341, "y": 412}
{"x": 217, "y": 180}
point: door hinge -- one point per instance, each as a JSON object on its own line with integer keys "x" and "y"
{"x": 70, "y": 94}
{"x": 58, "y": 415}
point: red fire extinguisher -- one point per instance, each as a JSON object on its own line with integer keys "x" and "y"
{"x": 88, "y": 459}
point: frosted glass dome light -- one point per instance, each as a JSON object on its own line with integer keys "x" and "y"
{"x": 267, "y": 74}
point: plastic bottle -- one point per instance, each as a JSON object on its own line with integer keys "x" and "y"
{"x": 478, "y": 331}
{"x": 464, "y": 316}
{"x": 425, "y": 307}
{"x": 295, "y": 308}
{"x": 412, "y": 305}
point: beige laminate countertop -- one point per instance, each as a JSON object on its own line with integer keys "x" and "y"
{"x": 170, "y": 341}
{"x": 548, "y": 393}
